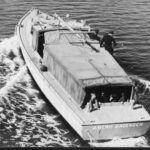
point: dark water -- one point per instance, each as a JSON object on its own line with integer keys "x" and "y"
{"x": 26, "y": 119}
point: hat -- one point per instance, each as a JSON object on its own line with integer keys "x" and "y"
{"x": 96, "y": 30}
{"x": 111, "y": 32}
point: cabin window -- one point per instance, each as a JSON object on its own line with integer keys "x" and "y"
{"x": 38, "y": 40}
{"x": 41, "y": 42}
{"x": 108, "y": 94}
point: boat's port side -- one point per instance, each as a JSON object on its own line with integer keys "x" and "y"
{"x": 47, "y": 83}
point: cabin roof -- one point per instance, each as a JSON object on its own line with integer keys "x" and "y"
{"x": 83, "y": 63}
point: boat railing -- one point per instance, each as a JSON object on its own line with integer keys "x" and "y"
{"x": 79, "y": 32}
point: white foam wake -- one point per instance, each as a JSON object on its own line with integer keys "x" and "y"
{"x": 141, "y": 80}
{"x": 10, "y": 60}
{"x": 10, "y": 83}
{"x": 9, "y": 44}
{"x": 27, "y": 121}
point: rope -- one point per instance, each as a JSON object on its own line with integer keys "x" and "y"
{"x": 90, "y": 61}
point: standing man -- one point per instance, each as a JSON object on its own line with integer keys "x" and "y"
{"x": 108, "y": 42}
{"x": 93, "y": 101}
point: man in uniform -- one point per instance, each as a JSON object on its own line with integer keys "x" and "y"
{"x": 108, "y": 42}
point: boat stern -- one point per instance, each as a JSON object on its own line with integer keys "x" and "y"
{"x": 98, "y": 132}
{"x": 116, "y": 122}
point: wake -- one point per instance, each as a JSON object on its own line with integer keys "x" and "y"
{"x": 23, "y": 117}
{"x": 11, "y": 64}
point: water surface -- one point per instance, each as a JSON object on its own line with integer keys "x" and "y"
{"x": 27, "y": 119}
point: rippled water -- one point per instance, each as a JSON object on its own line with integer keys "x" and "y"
{"x": 26, "y": 117}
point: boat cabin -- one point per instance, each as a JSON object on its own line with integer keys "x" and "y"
{"x": 79, "y": 68}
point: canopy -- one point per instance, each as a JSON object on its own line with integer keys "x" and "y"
{"x": 86, "y": 65}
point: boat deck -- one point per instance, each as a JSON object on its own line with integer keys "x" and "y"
{"x": 117, "y": 113}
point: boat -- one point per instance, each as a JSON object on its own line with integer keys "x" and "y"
{"x": 69, "y": 66}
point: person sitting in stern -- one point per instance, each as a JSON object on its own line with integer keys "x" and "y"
{"x": 93, "y": 101}
{"x": 113, "y": 98}
{"x": 122, "y": 98}
{"x": 103, "y": 97}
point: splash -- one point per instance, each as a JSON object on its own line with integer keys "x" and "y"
{"x": 9, "y": 46}
{"x": 141, "y": 83}
{"x": 11, "y": 81}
